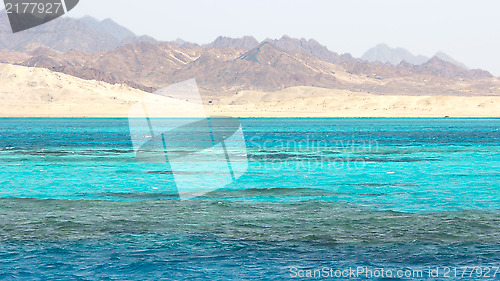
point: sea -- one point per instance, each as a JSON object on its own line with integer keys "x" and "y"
{"x": 335, "y": 199}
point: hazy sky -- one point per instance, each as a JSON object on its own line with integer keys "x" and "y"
{"x": 469, "y": 30}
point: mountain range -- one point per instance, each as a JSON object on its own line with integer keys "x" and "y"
{"x": 64, "y": 34}
{"x": 105, "y": 51}
{"x": 385, "y": 54}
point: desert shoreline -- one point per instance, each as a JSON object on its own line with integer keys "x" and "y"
{"x": 255, "y": 117}
{"x": 222, "y": 117}
{"x": 41, "y": 93}
{"x": 122, "y": 112}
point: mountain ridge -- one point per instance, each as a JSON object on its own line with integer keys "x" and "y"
{"x": 148, "y": 66}
{"x": 227, "y": 65}
{"x": 385, "y": 54}
{"x": 88, "y": 34}
{"x": 63, "y": 34}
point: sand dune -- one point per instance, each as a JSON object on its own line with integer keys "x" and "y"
{"x": 36, "y": 92}
{"x": 319, "y": 102}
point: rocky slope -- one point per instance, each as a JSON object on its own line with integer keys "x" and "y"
{"x": 107, "y": 52}
{"x": 385, "y": 54}
{"x": 64, "y": 34}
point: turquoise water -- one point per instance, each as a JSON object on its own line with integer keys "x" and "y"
{"x": 75, "y": 203}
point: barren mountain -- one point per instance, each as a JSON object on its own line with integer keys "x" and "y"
{"x": 434, "y": 67}
{"x": 228, "y": 66}
{"x": 62, "y": 34}
{"x": 439, "y": 67}
{"x": 183, "y": 43}
{"x": 447, "y": 58}
{"x": 311, "y": 47}
{"x": 285, "y": 43}
{"x": 385, "y": 54}
{"x": 148, "y": 67}
{"x": 8, "y": 56}
{"x": 265, "y": 67}
{"x": 246, "y": 42}
{"x": 65, "y": 34}
{"x": 108, "y": 26}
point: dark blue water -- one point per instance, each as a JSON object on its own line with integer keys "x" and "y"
{"x": 392, "y": 194}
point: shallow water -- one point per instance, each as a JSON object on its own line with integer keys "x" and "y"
{"x": 381, "y": 193}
